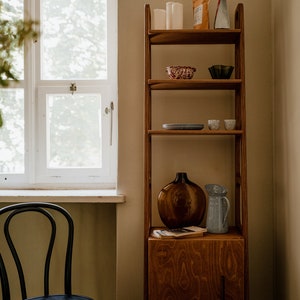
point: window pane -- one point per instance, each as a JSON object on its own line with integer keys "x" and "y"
{"x": 74, "y": 41}
{"x": 12, "y": 132}
{"x": 74, "y": 131}
{"x": 12, "y": 10}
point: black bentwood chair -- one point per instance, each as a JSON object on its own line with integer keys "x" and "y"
{"x": 4, "y": 281}
{"x": 45, "y": 209}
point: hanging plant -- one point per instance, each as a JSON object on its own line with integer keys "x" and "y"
{"x": 13, "y": 34}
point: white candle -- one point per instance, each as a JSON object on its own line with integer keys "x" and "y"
{"x": 177, "y": 15}
{"x": 159, "y": 19}
{"x": 169, "y": 13}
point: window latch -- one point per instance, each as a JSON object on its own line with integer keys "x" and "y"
{"x": 73, "y": 88}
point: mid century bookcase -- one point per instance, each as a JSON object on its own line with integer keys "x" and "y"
{"x": 214, "y": 266}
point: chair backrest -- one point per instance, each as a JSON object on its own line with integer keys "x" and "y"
{"x": 4, "y": 280}
{"x": 44, "y": 209}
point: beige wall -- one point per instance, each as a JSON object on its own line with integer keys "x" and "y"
{"x": 287, "y": 163}
{"x": 259, "y": 122}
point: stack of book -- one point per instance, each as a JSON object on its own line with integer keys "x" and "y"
{"x": 184, "y": 232}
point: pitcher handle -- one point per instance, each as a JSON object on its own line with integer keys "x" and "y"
{"x": 227, "y": 210}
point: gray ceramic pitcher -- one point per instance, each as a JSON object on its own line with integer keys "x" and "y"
{"x": 218, "y": 209}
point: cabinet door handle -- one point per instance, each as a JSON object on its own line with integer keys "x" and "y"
{"x": 222, "y": 287}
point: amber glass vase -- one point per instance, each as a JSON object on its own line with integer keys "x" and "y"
{"x": 181, "y": 203}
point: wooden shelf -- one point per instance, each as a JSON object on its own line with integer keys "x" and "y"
{"x": 194, "y": 132}
{"x": 215, "y": 266}
{"x": 193, "y": 36}
{"x": 191, "y": 84}
{"x": 233, "y": 234}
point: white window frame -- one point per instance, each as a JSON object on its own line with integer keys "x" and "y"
{"x": 35, "y": 90}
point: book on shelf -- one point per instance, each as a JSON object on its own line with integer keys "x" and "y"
{"x": 184, "y": 232}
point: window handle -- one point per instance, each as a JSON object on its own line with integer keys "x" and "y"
{"x": 109, "y": 110}
{"x": 73, "y": 88}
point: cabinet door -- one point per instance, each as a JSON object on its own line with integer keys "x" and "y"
{"x": 196, "y": 269}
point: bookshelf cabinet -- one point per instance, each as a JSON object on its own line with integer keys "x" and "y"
{"x": 214, "y": 266}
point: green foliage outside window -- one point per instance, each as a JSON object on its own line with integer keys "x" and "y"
{"x": 13, "y": 34}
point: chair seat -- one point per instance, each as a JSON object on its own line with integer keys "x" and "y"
{"x": 60, "y": 297}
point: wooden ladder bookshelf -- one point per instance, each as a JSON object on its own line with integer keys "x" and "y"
{"x": 214, "y": 266}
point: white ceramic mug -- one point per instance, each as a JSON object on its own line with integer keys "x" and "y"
{"x": 213, "y": 124}
{"x": 230, "y": 124}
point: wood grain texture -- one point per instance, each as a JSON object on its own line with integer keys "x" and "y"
{"x": 196, "y": 269}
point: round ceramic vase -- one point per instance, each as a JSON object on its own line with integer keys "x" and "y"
{"x": 181, "y": 203}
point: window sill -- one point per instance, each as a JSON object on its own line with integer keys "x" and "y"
{"x": 61, "y": 196}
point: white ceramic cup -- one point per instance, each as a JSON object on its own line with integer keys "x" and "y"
{"x": 230, "y": 124}
{"x": 213, "y": 124}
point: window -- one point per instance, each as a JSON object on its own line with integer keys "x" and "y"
{"x": 60, "y": 119}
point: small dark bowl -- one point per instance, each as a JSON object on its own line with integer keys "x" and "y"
{"x": 220, "y": 71}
